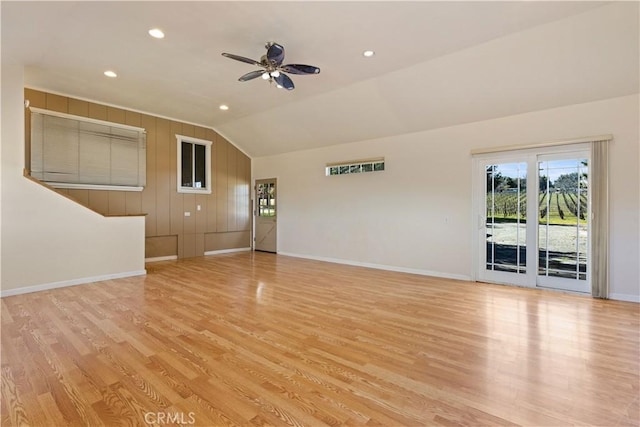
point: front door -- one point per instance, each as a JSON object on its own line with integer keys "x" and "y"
{"x": 266, "y": 215}
{"x": 533, "y": 219}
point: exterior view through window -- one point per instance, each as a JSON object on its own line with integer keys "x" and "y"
{"x": 560, "y": 236}
{"x": 506, "y": 204}
{"x": 266, "y": 199}
{"x": 194, "y": 165}
{"x": 563, "y": 230}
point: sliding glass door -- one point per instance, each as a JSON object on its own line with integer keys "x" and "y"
{"x": 563, "y": 230}
{"x": 504, "y": 221}
{"x": 533, "y": 219}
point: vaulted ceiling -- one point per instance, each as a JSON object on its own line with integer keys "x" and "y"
{"x": 436, "y": 64}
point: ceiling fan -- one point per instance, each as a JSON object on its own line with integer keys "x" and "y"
{"x": 273, "y": 68}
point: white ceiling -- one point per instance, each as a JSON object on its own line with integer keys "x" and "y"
{"x": 436, "y": 64}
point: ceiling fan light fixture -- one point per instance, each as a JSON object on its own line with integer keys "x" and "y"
{"x": 156, "y": 33}
{"x": 275, "y": 73}
{"x": 265, "y": 76}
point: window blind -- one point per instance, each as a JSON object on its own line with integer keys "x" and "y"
{"x": 77, "y": 152}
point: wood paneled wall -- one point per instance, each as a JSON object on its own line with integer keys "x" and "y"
{"x": 224, "y": 218}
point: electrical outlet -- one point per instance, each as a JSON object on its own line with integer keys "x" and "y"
{"x": 187, "y": 214}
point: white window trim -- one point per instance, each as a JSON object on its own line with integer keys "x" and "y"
{"x": 86, "y": 119}
{"x": 562, "y": 143}
{"x": 192, "y": 140}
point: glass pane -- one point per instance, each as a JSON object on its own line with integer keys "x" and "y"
{"x": 272, "y": 199}
{"x": 266, "y": 199}
{"x": 378, "y": 166}
{"x": 187, "y": 164}
{"x": 563, "y": 223}
{"x": 200, "y": 166}
{"x": 505, "y": 201}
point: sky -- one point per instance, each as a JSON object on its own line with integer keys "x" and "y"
{"x": 553, "y": 169}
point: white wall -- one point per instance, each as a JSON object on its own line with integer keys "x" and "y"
{"x": 416, "y": 215}
{"x": 48, "y": 240}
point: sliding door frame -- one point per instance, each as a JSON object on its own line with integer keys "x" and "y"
{"x": 514, "y": 155}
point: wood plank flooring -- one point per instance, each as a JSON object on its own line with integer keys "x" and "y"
{"x": 260, "y": 339}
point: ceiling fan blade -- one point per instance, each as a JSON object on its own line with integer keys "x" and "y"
{"x": 300, "y": 69}
{"x": 251, "y": 75}
{"x": 242, "y": 59}
{"x": 284, "y": 81}
{"x": 275, "y": 53}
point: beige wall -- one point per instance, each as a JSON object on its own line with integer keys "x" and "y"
{"x": 223, "y": 221}
{"x": 48, "y": 240}
{"x": 416, "y": 216}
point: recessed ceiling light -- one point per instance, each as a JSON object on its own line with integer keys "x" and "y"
{"x": 110, "y": 73}
{"x": 224, "y": 107}
{"x": 157, "y": 33}
{"x": 368, "y": 53}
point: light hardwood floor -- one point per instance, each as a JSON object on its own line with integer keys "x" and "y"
{"x": 260, "y": 339}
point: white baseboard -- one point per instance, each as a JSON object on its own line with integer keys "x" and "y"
{"x": 625, "y": 297}
{"x": 161, "y": 258}
{"x": 227, "y": 251}
{"x": 65, "y": 283}
{"x": 381, "y": 266}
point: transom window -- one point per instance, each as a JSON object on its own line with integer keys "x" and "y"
{"x": 355, "y": 166}
{"x": 194, "y": 165}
